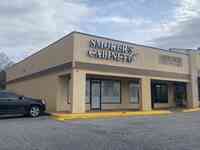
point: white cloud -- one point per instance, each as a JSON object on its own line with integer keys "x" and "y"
{"x": 187, "y": 9}
{"x": 121, "y": 20}
{"x": 183, "y": 29}
{"x": 27, "y": 25}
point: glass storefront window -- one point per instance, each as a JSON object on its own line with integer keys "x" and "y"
{"x": 111, "y": 91}
{"x": 87, "y": 94}
{"x": 134, "y": 92}
{"x": 160, "y": 93}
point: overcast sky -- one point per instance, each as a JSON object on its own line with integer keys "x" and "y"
{"x": 29, "y": 25}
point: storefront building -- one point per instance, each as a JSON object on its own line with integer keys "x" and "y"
{"x": 83, "y": 72}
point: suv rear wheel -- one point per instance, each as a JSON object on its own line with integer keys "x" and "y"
{"x": 34, "y": 111}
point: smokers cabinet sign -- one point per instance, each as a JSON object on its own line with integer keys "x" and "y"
{"x": 111, "y": 51}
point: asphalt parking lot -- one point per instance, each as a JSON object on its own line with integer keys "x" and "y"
{"x": 180, "y": 131}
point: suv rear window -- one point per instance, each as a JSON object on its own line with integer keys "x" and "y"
{"x": 7, "y": 95}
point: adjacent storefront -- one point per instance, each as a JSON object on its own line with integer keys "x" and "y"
{"x": 82, "y": 72}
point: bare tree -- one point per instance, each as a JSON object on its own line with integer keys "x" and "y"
{"x": 5, "y": 62}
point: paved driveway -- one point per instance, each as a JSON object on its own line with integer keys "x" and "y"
{"x": 180, "y": 132}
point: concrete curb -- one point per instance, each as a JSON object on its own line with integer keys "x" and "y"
{"x": 103, "y": 115}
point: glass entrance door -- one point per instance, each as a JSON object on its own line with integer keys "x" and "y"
{"x": 180, "y": 95}
{"x": 95, "y": 95}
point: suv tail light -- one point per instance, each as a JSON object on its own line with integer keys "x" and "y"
{"x": 43, "y": 102}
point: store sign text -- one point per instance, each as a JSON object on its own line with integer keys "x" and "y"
{"x": 170, "y": 60}
{"x": 111, "y": 51}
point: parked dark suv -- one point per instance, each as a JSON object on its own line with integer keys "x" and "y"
{"x": 11, "y": 103}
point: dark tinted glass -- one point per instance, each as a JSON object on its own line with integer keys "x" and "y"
{"x": 7, "y": 95}
{"x": 160, "y": 94}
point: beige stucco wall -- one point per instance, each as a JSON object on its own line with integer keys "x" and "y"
{"x": 77, "y": 86}
{"x": 147, "y": 58}
{"x": 192, "y": 87}
{"x": 63, "y": 101}
{"x": 42, "y": 88}
{"x": 46, "y": 86}
{"x": 59, "y": 52}
{"x": 198, "y": 59}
